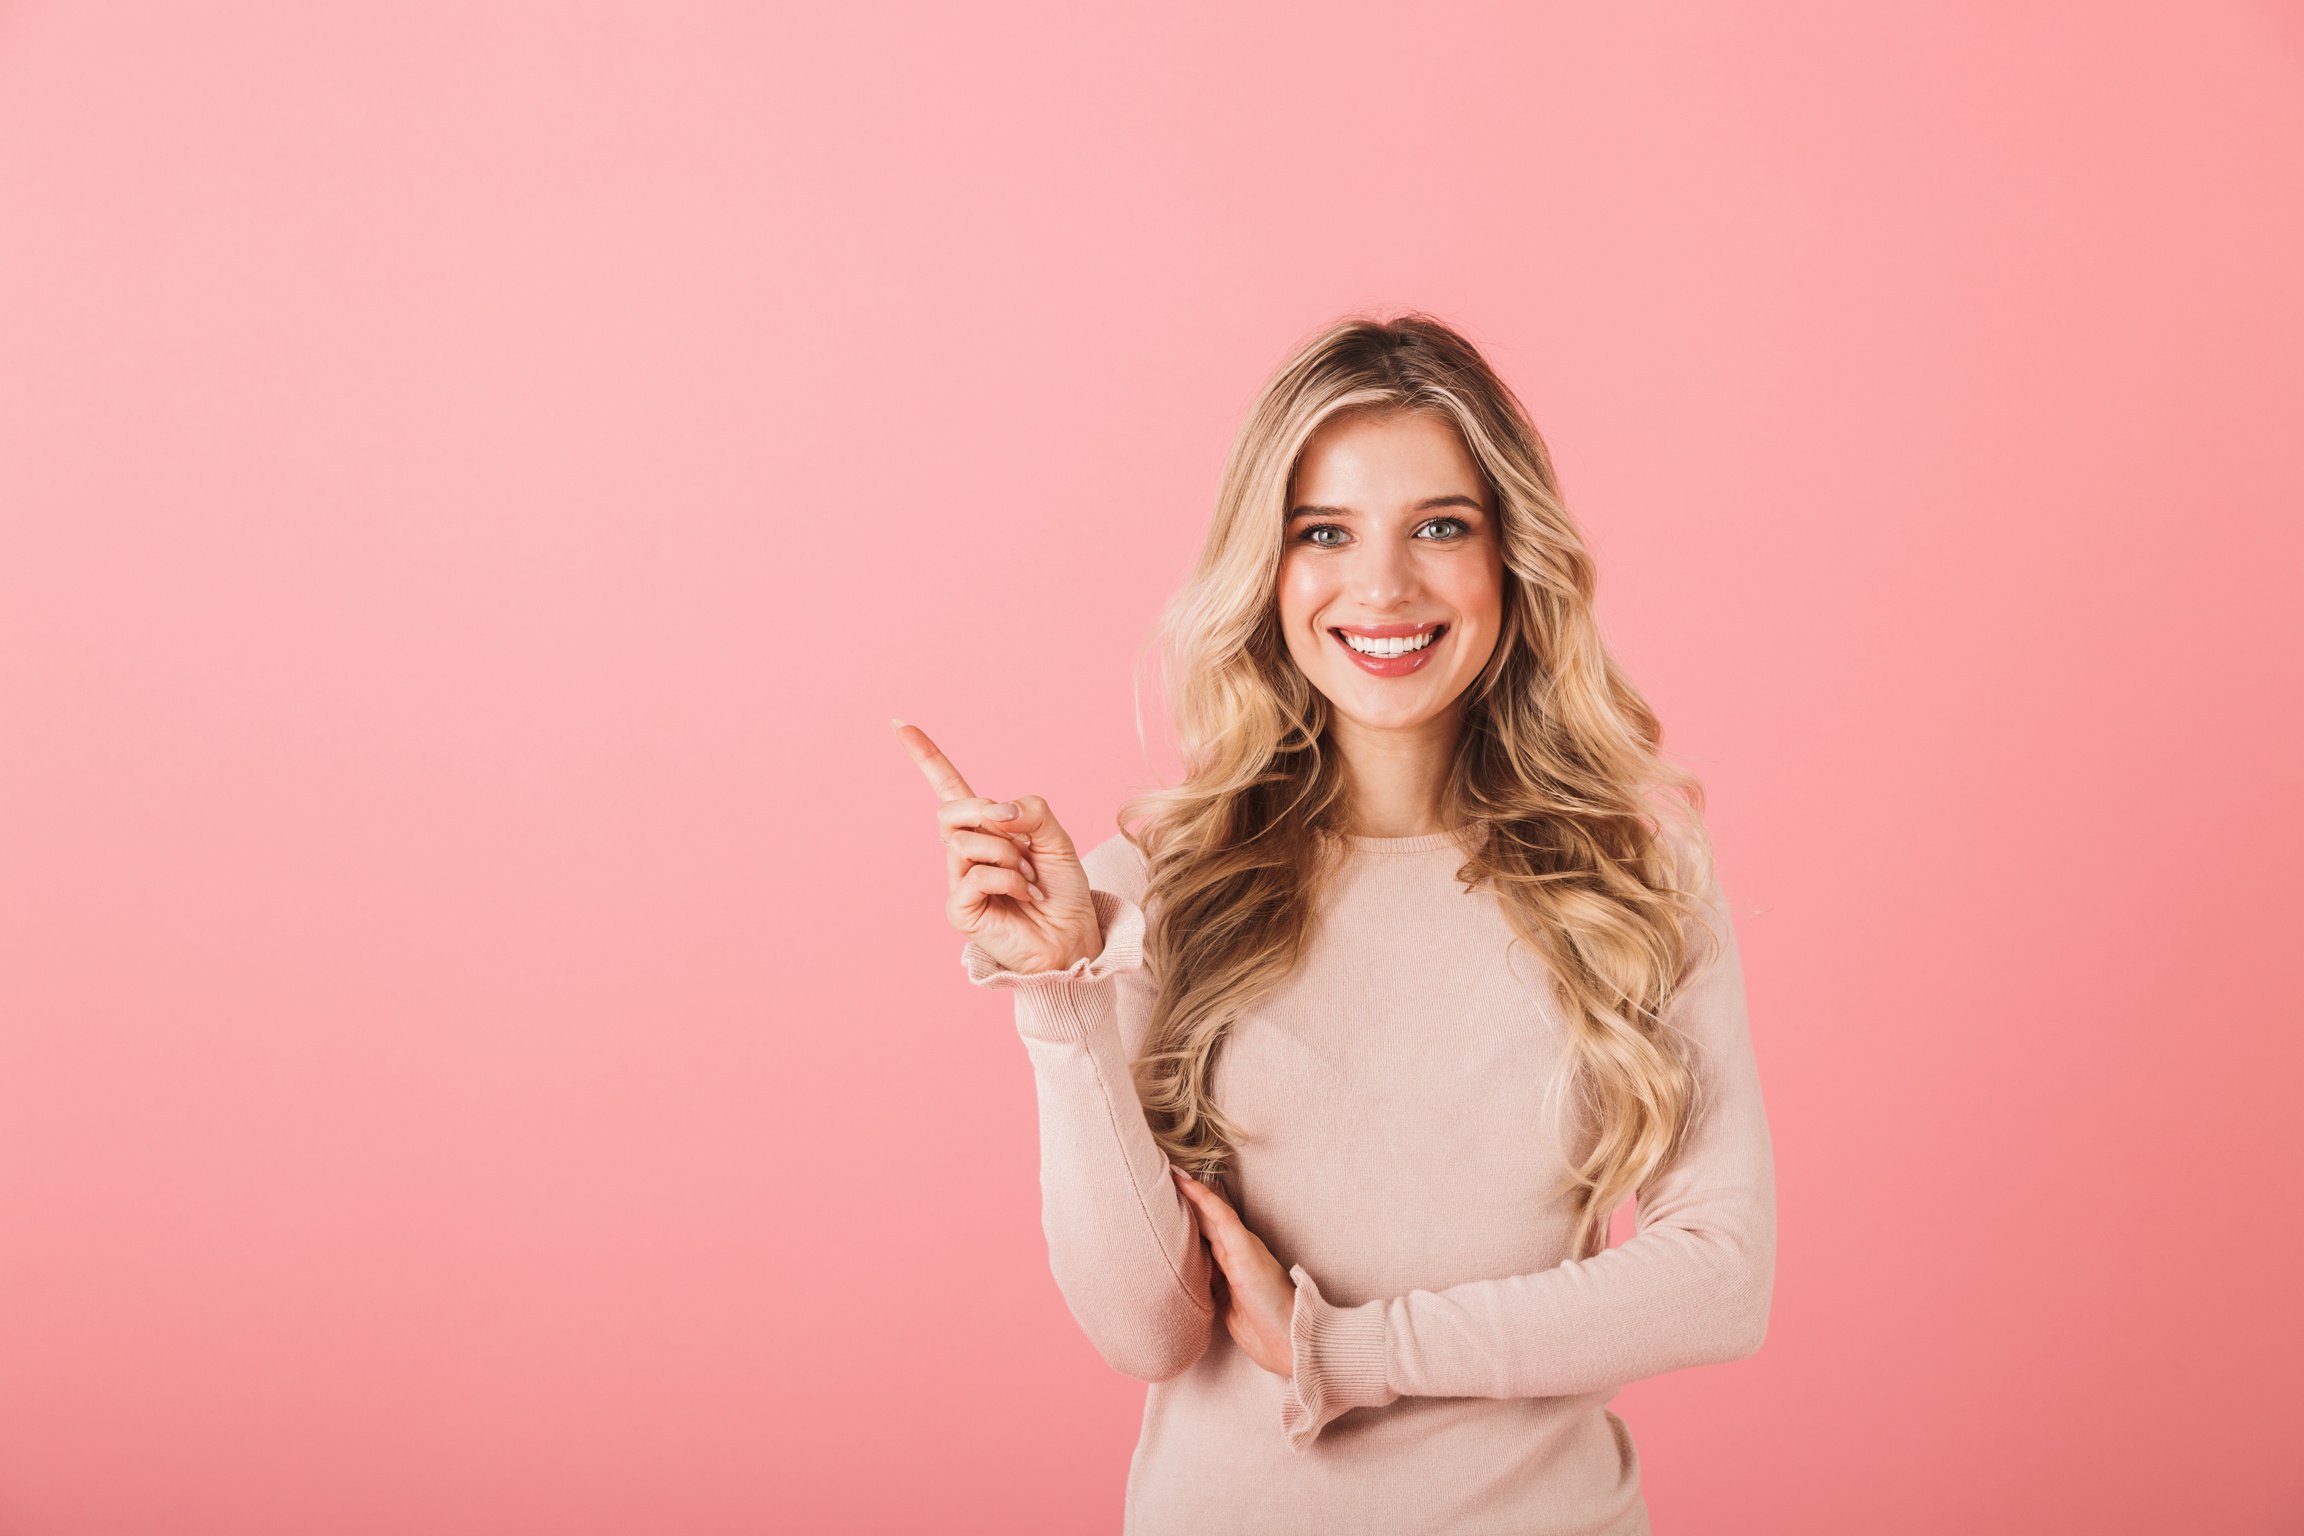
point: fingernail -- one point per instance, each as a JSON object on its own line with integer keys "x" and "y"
{"x": 1037, "y": 893}
{"x": 1029, "y": 872}
{"x": 1002, "y": 812}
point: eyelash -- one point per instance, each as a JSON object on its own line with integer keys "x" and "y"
{"x": 1305, "y": 537}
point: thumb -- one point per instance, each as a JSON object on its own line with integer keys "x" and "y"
{"x": 1034, "y": 820}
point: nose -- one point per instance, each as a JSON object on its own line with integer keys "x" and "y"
{"x": 1384, "y": 574}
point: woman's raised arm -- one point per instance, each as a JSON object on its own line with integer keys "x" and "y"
{"x": 1068, "y": 939}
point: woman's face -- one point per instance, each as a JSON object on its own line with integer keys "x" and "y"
{"x": 1391, "y": 533}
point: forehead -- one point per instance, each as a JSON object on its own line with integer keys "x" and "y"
{"x": 1385, "y": 463}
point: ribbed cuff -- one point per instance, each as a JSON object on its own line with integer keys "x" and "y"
{"x": 1049, "y": 1004}
{"x": 1338, "y": 1361}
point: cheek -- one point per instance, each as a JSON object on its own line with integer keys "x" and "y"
{"x": 1301, "y": 594}
{"x": 1477, "y": 592}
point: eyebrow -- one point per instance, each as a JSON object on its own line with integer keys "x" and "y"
{"x": 1426, "y": 505}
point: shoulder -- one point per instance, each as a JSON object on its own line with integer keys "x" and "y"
{"x": 1708, "y": 924}
{"x": 1689, "y": 857}
{"x": 1116, "y": 865}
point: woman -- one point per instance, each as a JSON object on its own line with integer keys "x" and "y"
{"x": 1326, "y": 1155}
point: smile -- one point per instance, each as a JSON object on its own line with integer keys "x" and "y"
{"x": 1391, "y": 655}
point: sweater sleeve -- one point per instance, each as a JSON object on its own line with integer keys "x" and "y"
{"x": 1123, "y": 1244}
{"x": 1691, "y": 1287}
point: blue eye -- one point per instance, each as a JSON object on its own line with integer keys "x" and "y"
{"x": 1305, "y": 537}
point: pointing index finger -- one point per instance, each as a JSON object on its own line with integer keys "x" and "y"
{"x": 942, "y": 776}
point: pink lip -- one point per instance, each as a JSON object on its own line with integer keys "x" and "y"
{"x": 1386, "y": 631}
{"x": 1389, "y": 666}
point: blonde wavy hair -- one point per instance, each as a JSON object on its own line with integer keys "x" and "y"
{"x": 1557, "y": 770}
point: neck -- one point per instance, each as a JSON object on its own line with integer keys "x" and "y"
{"x": 1396, "y": 780}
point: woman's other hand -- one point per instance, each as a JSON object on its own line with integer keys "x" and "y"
{"x": 1017, "y": 885}
{"x": 1260, "y": 1298}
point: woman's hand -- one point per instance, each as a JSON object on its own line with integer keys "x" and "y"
{"x": 1261, "y": 1298}
{"x": 1018, "y": 888}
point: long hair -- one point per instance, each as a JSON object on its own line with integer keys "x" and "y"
{"x": 1557, "y": 770}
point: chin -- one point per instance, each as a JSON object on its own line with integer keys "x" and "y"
{"x": 1397, "y": 716}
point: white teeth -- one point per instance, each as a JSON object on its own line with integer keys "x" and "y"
{"x": 1395, "y": 647}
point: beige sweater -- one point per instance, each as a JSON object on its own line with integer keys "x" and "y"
{"x": 1452, "y": 1366}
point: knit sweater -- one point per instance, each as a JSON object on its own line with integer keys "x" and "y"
{"x": 1452, "y": 1365}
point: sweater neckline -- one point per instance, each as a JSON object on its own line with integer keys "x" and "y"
{"x": 1417, "y": 842}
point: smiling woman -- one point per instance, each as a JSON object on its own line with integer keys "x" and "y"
{"x": 1420, "y": 971}
{"x": 1393, "y": 513}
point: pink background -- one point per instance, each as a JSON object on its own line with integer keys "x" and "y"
{"x": 480, "y": 1046}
